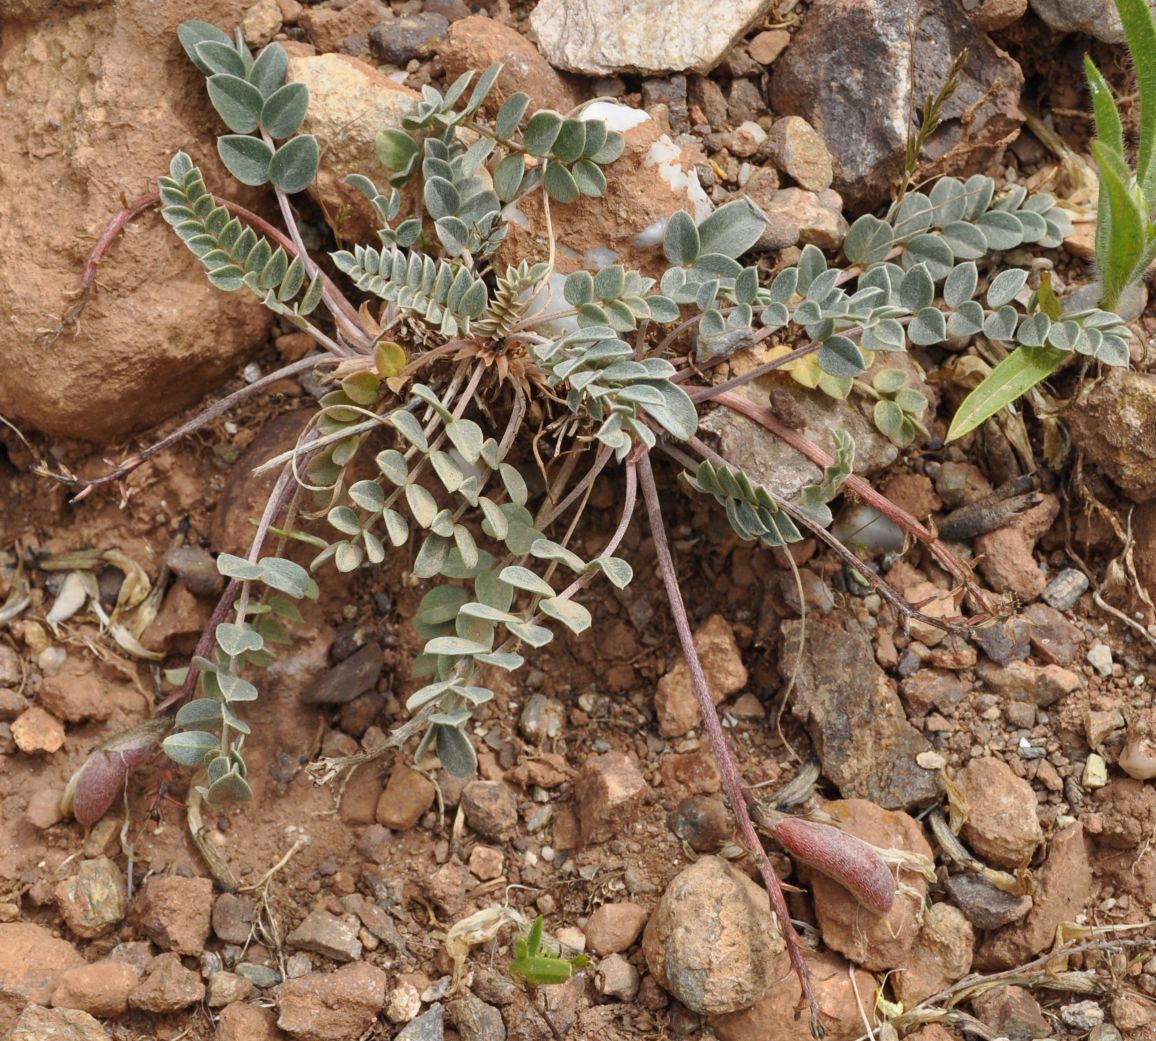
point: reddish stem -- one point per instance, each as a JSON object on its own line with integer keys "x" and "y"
{"x": 732, "y": 781}
{"x": 860, "y": 488}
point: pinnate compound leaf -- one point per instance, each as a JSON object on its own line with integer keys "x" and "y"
{"x": 1007, "y": 382}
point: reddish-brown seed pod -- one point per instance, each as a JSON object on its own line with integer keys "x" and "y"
{"x": 853, "y": 863}
{"x": 93, "y": 788}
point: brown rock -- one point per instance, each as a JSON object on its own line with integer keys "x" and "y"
{"x": 324, "y": 933}
{"x": 330, "y": 27}
{"x": 446, "y": 888}
{"x": 865, "y": 121}
{"x": 985, "y": 906}
{"x": 932, "y": 689}
{"x": 722, "y": 662}
{"x": 766, "y": 46}
{"x": 993, "y": 15}
{"x": 407, "y": 796}
{"x": 32, "y": 961}
{"x": 101, "y": 989}
{"x": 1002, "y": 826}
{"x": 1054, "y": 639}
{"x": 1128, "y": 808}
{"x": 225, "y": 988}
{"x": 348, "y": 679}
{"x": 915, "y": 493}
{"x": 1011, "y": 1012}
{"x": 607, "y": 792}
{"x": 615, "y": 977}
{"x": 241, "y": 1022}
{"x": 477, "y": 42}
{"x": 614, "y": 927}
{"x": 941, "y": 955}
{"x": 332, "y": 1006}
{"x": 876, "y": 942}
{"x": 261, "y": 22}
{"x": 175, "y": 913}
{"x": 695, "y": 772}
{"x": 350, "y": 102}
{"x": 1042, "y": 685}
{"x": 94, "y": 900}
{"x": 1109, "y": 426}
{"x": 37, "y": 733}
{"x": 713, "y": 942}
{"x": 168, "y": 987}
{"x": 55, "y": 1024}
{"x": 93, "y": 80}
{"x": 800, "y": 153}
{"x": 179, "y": 623}
{"x": 855, "y": 719}
{"x": 797, "y": 217}
{"x": 781, "y": 1014}
{"x": 1063, "y": 887}
{"x": 1009, "y": 565}
{"x": 486, "y": 862}
{"x": 491, "y": 809}
{"x": 703, "y": 822}
{"x": 234, "y": 915}
{"x": 76, "y": 693}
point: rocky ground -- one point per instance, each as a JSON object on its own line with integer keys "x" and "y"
{"x": 598, "y": 803}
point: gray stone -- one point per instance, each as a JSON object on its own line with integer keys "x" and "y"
{"x": 599, "y": 37}
{"x": 1097, "y": 18}
{"x": 429, "y": 1026}
{"x": 864, "y": 119}
{"x": 856, "y": 721}
{"x": 348, "y": 679}
{"x": 410, "y": 36}
{"x": 324, "y": 933}
{"x": 475, "y": 1020}
{"x": 985, "y": 906}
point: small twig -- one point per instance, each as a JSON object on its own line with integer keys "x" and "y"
{"x": 732, "y": 782}
{"x": 300, "y": 844}
{"x": 201, "y": 419}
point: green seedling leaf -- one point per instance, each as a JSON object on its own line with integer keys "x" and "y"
{"x": 1007, "y": 382}
{"x": 1124, "y": 222}
{"x": 1140, "y": 34}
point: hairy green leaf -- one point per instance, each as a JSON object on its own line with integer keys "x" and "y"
{"x": 246, "y": 158}
{"x": 284, "y": 110}
{"x": 1007, "y": 382}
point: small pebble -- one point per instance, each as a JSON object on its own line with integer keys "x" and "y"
{"x": 1065, "y": 589}
{"x": 1082, "y": 1016}
{"x": 1095, "y": 773}
{"x": 930, "y": 761}
{"x": 1100, "y": 658}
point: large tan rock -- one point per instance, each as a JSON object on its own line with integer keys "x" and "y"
{"x": 350, "y": 102}
{"x": 96, "y": 101}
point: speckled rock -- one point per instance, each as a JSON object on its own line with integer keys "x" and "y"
{"x": 32, "y": 961}
{"x": 350, "y": 102}
{"x": 940, "y": 956}
{"x": 332, "y": 1006}
{"x": 1002, "y": 826}
{"x": 865, "y": 120}
{"x": 1097, "y": 18}
{"x": 175, "y": 912}
{"x": 600, "y": 37}
{"x": 713, "y": 942}
{"x": 37, "y": 1023}
{"x": 94, "y": 900}
{"x": 1108, "y": 426}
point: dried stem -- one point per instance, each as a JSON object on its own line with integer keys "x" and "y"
{"x": 732, "y": 782}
